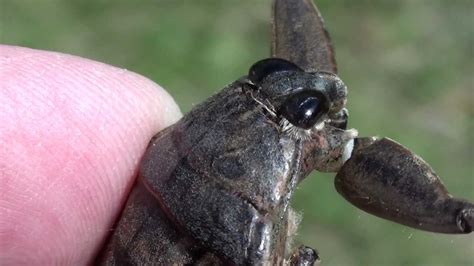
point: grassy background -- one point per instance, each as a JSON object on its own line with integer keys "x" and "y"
{"x": 408, "y": 66}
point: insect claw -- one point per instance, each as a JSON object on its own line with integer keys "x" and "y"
{"x": 465, "y": 220}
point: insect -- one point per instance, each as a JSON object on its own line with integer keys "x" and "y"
{"x": 215, "y": 187}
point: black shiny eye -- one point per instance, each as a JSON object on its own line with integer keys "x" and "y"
{"x": 265, "y": 67}
{"x": 304, "y": 108}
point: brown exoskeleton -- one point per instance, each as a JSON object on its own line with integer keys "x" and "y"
{"x": 215, "y": 187}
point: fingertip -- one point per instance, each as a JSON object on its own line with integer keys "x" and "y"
{"x": 73, "y": 132}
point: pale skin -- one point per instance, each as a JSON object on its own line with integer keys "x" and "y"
{"x": 72, "y": 132}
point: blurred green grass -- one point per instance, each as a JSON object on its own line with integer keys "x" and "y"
{"x": 408, "y": 65}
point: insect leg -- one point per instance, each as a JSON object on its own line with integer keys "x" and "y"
{"x": 299, "y": 35}
{"x": 305, "y": 256}
{"x": 386, "y": 179}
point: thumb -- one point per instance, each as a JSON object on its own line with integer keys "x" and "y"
{"x": 71, "y": 138}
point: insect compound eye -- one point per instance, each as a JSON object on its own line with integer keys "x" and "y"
{"x": 265, "y": 67}
{"x": 303, "y": 109}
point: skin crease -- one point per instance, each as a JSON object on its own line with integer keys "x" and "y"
{"x": 72, "y": 133}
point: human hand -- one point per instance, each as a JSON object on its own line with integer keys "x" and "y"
{"x": 72, "y": 132}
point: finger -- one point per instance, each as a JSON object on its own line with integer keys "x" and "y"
{"x": 72, "y": 133}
